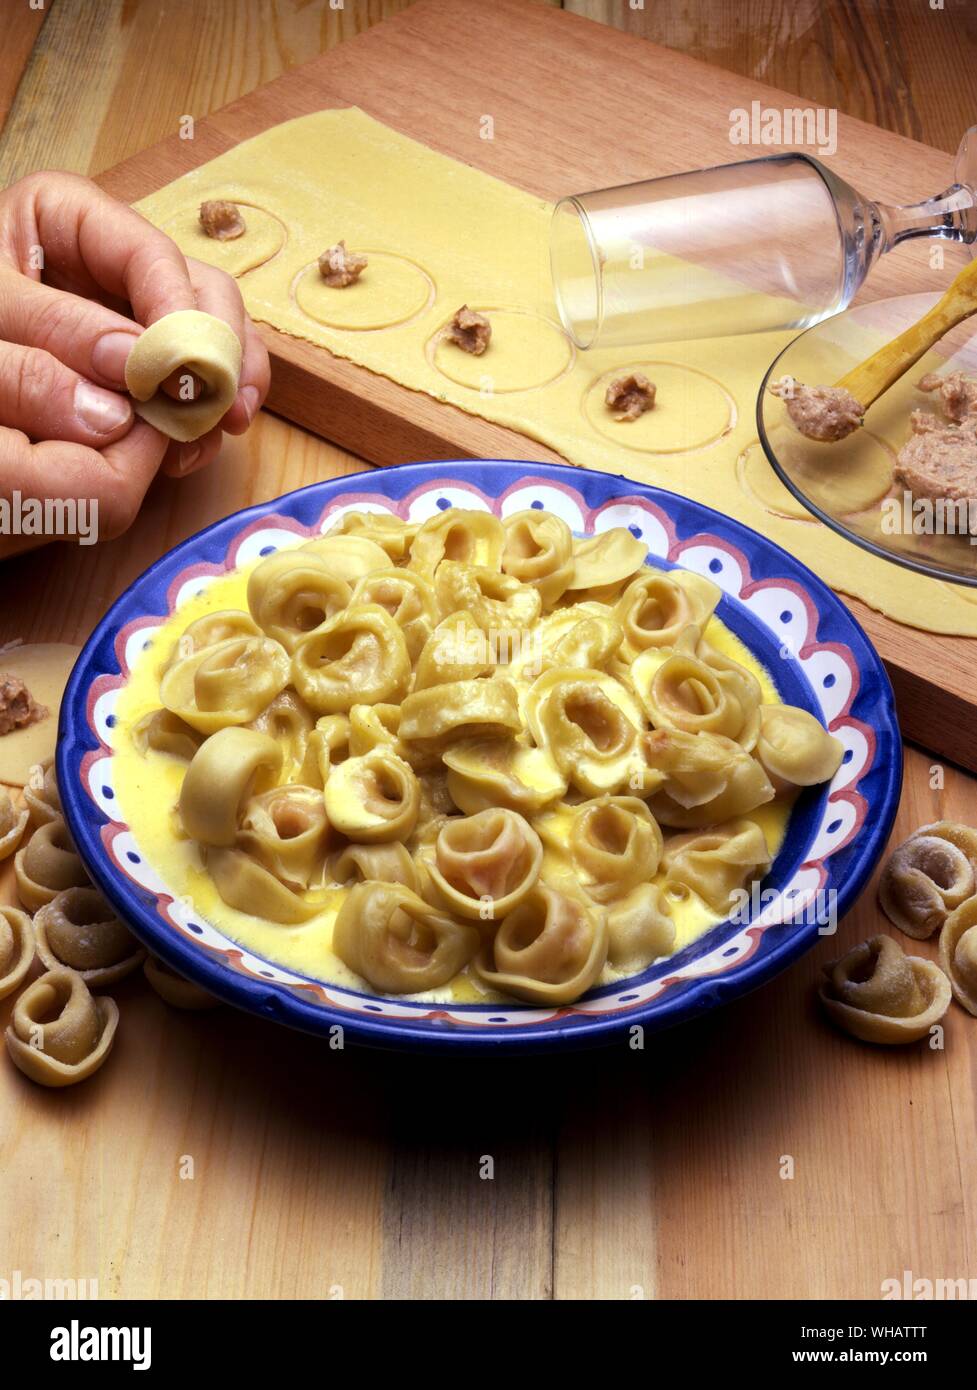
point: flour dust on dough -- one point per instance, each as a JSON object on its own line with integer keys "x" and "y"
{"x": 340, "y": 175}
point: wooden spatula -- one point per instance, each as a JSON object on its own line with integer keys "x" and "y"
{"x": 876, "y": 374}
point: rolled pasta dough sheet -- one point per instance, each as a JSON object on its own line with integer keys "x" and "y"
{"x": 440, "y": 234}
{"x": 44, "y": 667}
{"x": 188, "y": 341}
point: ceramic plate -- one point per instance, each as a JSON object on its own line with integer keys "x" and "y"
{"x": 818, "y": 655}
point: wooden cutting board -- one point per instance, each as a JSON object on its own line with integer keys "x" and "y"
{"x": 575, "y": 106}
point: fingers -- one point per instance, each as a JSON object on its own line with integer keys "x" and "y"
{"x": 183, "y": 459}
{"x": 47, "y": 400}
{"x": 218, "y": 294}
{"x": 85, "y": 336}
{"x": 98, "y": 244}
{"x": 106, "y": 487}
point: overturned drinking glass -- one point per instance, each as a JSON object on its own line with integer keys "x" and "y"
{"x": 772, "y": 243}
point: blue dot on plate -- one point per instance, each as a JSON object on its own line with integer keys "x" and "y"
{"x": 536, "y": 505}
{"x": 108, "y": 793}
{"x": 829, "y": 680}
{"x": 195, "y": 927}
{"x": 731, "y": 951}
{"x": 147, "y": 644}
{"x": 834, "y": 827}
{"x": 373, "y": 1008}
{"x": 636, "y": 532}
{"x": 133, "y": 857}
{"x": 715, "y": 566}
{"x": 268, "y": 550}
{"x": 848, "y": 756}
{"x": 786, "y": 616}
{"x": 266, "y": 974}
{"x": 626, "y": 998}
{"x": 498, "y": 1020}
{"x": 110, "y": 721}
{"x": 443, "y": 504}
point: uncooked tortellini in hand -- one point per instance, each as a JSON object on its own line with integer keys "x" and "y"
{"x": 359, "y": 657}
{"x": 373, "y": 798}
{"x": 880, "y": 995}
{"x": 225, "y": 684}
{"x": 539, "y": 551}
{"x": 59, "y": 1033}
{"x": 485, "y": 864}
{"x": 795, "y": 749}
{"x": 398, "y": 942}
{"x": 958, "y": 953}
{"x": 928, "y": 876}
{"x": 549, "y": 950}
{"x": 588, "y": 722}
{"x": 716, "y": 863}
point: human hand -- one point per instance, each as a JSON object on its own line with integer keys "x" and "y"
{"x": 74, "y": 263}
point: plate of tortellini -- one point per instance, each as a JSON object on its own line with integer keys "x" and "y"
{"x": 480, "y": 754}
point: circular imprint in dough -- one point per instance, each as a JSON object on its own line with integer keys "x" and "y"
{"x": 391, "y": 290}
{"x": 841, "y": 478}
{"x": 691, "y": 410}
{"x": 761, "y": 484}
{"x": 264, "y": 236}
{"x": 526, "y": 351}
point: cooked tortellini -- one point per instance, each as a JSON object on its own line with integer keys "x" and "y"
{"x": 466, "y": 758}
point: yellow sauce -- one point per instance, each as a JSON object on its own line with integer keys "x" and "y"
{"x": 148, "y": 789}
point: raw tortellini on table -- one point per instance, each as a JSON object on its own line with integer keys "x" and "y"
{"x": 475, "y": 745}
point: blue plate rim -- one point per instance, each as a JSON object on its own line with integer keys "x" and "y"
{"x": 692, "y": 997}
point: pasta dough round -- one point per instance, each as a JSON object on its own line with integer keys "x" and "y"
{"x": 191, "y": 342}
{"x": 44, "y": 667}
{"x": 691, "y": 410}
{"x": 263, "y": 237}
{"x": 526, "y": 351}
{"x": 390, "y": 290}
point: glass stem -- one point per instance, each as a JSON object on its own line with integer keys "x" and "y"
{"x": 951, "y": 215}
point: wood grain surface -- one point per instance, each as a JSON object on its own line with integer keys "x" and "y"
{"x": 328, "y": 1174}
{"x": 544, "y": 142}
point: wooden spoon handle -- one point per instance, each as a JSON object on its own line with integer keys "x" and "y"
{"x": 877, "y": 373}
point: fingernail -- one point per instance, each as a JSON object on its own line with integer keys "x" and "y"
{"x": 100, "y": 411}
{"x": 249, "y": 395}
{"x": 110, "y": 353}
{"x": 188, "y": 457}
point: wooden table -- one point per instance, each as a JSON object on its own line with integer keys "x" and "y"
{"x": 618, "y": 1174}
